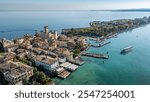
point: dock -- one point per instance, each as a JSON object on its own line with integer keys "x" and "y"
{"x": 77, "y": 62}
{"x": 66, "y": 69}
{"x": 103, "y": 56}
{"x": 92, "y": 39}
{"x": 101, "y": 39}
{"x": 111, "y": 36}
{"x": 60, "y": 70}
{"x": 100, "y": 45}
{"x": 64, "y": 74}
{"x": 96, "y": 46}
{"x": 105, "y": 43}
{"x": 69, "y": 66}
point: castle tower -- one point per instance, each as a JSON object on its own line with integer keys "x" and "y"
{"x": 46, "y": 29}
{"x": 50, "y": 34}
{"x": 55, "y": 35}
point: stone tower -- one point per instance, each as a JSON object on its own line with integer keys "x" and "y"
{"x": 46, "y": 29}
{"x": 55, "y": 35}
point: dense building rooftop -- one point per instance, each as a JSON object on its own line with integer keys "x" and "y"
{"x": 14, "y": 69}
{"x": 45, "y": 59}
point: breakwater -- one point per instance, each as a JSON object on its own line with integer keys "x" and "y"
{"x": 103, "y": 56}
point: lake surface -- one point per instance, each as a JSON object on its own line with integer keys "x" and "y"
{"x": 130, "y": 69}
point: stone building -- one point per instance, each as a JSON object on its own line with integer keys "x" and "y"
{"x": 7, "y": 45}
{"x": 16, "y": 72}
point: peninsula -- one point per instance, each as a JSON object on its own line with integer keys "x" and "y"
{"x": 107, "y": 28}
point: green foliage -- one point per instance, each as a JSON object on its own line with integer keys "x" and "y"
{"x": 34, "y": 70}
{"x": 41, "y": 78}
{"x": 2, "y": 80}
{"x": 105, "y": 28}
{"x": 79, "y": 46}
{"x": 76, "y": 52}
{"x": 2, "y": 54}
{"x": 25, "y": 82}
{"x": 24, "y": 61}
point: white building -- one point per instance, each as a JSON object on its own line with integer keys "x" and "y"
{"x": 62, "y": 59}
{"x": 48, "y": 63}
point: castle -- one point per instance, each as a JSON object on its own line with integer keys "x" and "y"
{"x": 46, "y": 34}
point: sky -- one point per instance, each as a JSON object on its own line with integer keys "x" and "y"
{"x": 72, "y": 4}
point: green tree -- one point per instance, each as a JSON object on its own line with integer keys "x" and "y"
{"x": 40, "y": 77}
{"x": 76, "y": 52}
{"x": 25, "y": 82}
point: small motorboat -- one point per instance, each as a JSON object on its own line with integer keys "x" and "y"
{"x": 126, "y": 50}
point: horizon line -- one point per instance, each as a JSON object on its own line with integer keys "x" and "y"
{"x": 131, "y": 9}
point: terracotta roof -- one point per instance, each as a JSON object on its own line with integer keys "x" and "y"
{"x": 10, "y": 46}
{"x": 45, "y": 59}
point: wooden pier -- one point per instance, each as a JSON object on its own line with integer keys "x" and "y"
{"x": 77, "y": 62}
{"x": 100, "y": 45}
{"x": 64, "y": 74}
{"x": 96, "y": 46}
{"x": 111, "y": 36}
{"x": 103, "y": 44}
{"x": 103, "y": 56}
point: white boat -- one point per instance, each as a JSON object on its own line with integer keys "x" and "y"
{"x": 126, "y": 50}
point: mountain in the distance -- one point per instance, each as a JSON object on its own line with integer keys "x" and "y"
{"x": 128, "y": 10}
{"x": 143, "y": 10}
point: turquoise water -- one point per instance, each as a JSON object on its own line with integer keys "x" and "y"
{"x": 129, "y": 69}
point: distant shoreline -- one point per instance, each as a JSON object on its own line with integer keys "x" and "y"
{"x": 109, "y": 10}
